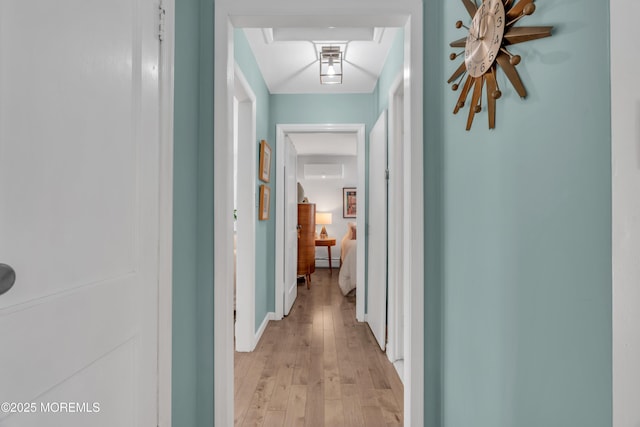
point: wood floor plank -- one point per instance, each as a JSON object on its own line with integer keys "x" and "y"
{"x": 373, "y": 416}
{"x": 334, "y": 413}
{"x": 351, "y": 405}
{"x": 274, "y": 419}
{"x": 296, "y": 406}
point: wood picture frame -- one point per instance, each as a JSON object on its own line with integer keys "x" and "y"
{"x": 349, "y": 202}
{"x": 265, "y": 202}
{"x": 265, "y": 161}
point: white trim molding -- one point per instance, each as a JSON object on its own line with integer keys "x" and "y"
{"x": 246, "y": 222}
{"x": 165, "y": 250}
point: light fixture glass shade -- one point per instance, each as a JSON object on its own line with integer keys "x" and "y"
{"x": 330, "y": 65}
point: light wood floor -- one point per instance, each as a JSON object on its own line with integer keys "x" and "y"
{"x": 317, "y": 367}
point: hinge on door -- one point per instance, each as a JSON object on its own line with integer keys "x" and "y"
{"x": 386, "y": 174}
{"x": 161, "y": 13}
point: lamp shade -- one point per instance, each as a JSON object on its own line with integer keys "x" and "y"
{"x": 323, "y": 218}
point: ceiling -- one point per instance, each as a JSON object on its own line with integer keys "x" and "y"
{"x": 288, "y": 57}
{"x": 324, "y": 143}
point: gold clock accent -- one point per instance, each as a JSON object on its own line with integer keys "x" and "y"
{"x": 485, "y": 48}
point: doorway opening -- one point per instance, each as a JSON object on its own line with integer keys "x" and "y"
{"x": 290, "y": 13}
{"x": 282, "y": 131}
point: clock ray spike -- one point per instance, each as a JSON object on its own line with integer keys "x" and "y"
{"x": 477, "y": 94}
{"x": 471, "y": 7}
{"x": 525, "y": 34}
{"x": 459, "y": 43}
{"x": 456, "y": 85}
{"x": 528, "y": 10}
{"x": 463, "y": 94}
{"x": 517, "y": 9}
{"x": 492, "y": 87}
{"x": 513, "y": 59}
{"x": 461, "y": 69}
{"x": 507, "y": 3}
{"x": 512, "y": 74}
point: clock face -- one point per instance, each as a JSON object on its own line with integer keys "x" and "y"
{"x": 486, "y": 50}
{"x": 485, "y": 37}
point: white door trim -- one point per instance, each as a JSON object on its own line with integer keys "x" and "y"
{"x": 407, "y": 13}
{"x": 281, "y": 132}
{"x": 397, "y": 204}
{"x": 245, "y": 328}
{"x": 165, "y": 249}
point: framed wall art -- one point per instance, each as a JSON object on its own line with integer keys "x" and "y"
{"x": 265, "y": 200}
{"x": 265, "y": 161}
{"x": 349, "y": 205}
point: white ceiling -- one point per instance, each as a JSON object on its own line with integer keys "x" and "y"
{"x": 288, "y": 57}
{"x": 324, "y": 143}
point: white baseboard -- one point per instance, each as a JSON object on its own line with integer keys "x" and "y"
{"x": 263, "y": 326}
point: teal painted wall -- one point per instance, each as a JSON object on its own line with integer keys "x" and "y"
{"x": 392, "y": 69}
{"x": 525, "y": 273}
{"x": 185, "y": 214}
{"x": 192, "y": 363}
{"x": 265, "y": 230}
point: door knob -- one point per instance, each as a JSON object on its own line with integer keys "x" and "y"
{"x": 7, "y": 278}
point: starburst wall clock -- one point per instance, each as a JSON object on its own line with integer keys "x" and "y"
{"x": 490, "y": 33}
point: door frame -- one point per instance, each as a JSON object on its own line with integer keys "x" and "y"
{"x": 255, "y": 13}
{"x": 395, "y": 229}
{"x": 245, "y": 329}
{"x": 165, "y": 215}
{"x": 376, "y": 316}
{"x": 281, "y": 132}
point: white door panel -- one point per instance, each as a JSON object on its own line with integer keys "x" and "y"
{"x": 79, "y": 182}
{"x": 377, "y": 231}
{"x": 291, "y": 232}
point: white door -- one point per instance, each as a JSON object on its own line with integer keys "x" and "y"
{"x": 290, "y": 224}
{"x": 79, "y": 194}
{"x": 396, "y": 203}
{"x": 377, "y": 231}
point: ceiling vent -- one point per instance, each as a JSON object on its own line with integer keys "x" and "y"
{"x": 324, "y": 171}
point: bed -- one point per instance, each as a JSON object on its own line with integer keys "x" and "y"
{"x": 348, "y": 260}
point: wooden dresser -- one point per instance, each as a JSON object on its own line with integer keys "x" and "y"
{"x": 306, "y": 240}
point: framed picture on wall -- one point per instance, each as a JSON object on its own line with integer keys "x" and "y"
{"x": 265, "y": 161}
{"x": 265, "y": 199}
{"x": 349, "y": 205}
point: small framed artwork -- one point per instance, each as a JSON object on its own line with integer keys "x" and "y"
{"x": 349, "y": 206}
{"x": 265, "y": 161}
{"x": 265, "y": 199}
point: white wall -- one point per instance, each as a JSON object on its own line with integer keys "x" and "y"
{"x": 327, "y": 195}
{"x": 625, "y": 148}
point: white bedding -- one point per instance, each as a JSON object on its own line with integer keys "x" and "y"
{"x": 348, "y": 270}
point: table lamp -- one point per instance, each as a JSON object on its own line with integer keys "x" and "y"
{"x": 323, "y": 218}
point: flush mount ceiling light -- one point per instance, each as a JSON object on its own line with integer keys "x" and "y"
{"x": 330, "y": 65}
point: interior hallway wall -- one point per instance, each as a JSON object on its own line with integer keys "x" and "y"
{"x": 192, "y": 335}
{"x": 524, "y": 229}
{"x": 265, "y": 230}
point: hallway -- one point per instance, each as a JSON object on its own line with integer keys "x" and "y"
{"x": 317, "y": 367}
